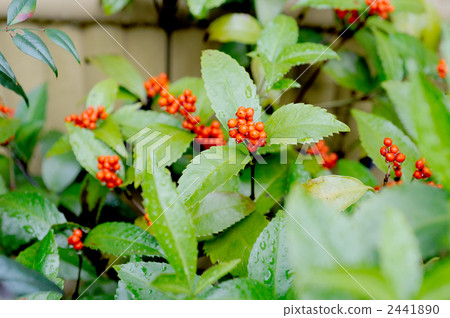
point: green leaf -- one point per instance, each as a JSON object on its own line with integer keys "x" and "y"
{"x": 122, "y": 239}
{"x": 104, "y": 93}
{"x": 58, "y": 172}
{"x": 30, "y": 44}
{"x": 172, "y": 224}
{"x": 61, "y": 39}
{"x": 36, "y": 110}
{"x": 87, "y": 149}
{"x": 200, "y": 8}
{"x": 436, "y": 283}
{"x": 171, "y": 283}
{"x": 3, "y": 186}
{"x": 228, "y": 85}
{"x": 373, "y": 129}
{"x": 431, "y": 116}
{"x": 219, "y": 211}
{"x": 123, "y": 72}
{"x": 351, "y": 72}
{"x": 197, "y": 86}
{"x": 335, "y": 4}
{"x": 209, "y": 170}
{"x": 20, "y": 10}
{"x": 431, "y": 222}
{"x": 8, "y": 128}
{"x": 8, "y": 79}
{"x": 414, "y": 6}
{"x": 268, "y": 262}
{"x": 338, "y": 191}
{"x": 131, "y": 120}
{"x": 235, "y": 27}
{"x": 43, "y": 257}
{"x": 280, "y": 33}
{"x": 214, "y": 273}
{"x": 236, "y": 242}
{"x": 390, "y": 58}
{"x": 444, "y": 46}
{"x": 111, "y": 7}
{"x": 403, "y": 270}
{"x": 26, "y": 138}
{"x": 69, "y": 262}
{"x": 301, "y": 123}
{"x": 138, "y": 278}
{"x": 94, "y": 192}
{"x": 272, "y": 177}
{"x": 109, "y": 133}
{"x": 239, "y": 289}
{"x": 356, "y": 170}
{"x": 16, "y": 280}
{"x": 266, "y": 10}
{"x": 24, "y": 216}
{"x": 285, "y": 84}
{"x": 60, "y": 147}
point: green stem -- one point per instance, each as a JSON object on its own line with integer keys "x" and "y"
{"x": 23, "y": 29}
{"x": 77, "y": 287}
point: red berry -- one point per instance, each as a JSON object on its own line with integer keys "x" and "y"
{"x": 398, "y": 173}
{"x": 239, "y": 138}
{"x": 383, "y": 151}
{"x": 390, "y": 157}
{"x": 243, "y": 129}
{"x": 214, "y": 124}
{"x": 233, "y": 133}
{"x": 417, "y": 174}
{"x": 119, "y": 182}
{"x": 232, "y": 123}
{"x": 259, "y": 126}
{"x": 251, "y": 147}
{"x": 250, "y": 112}
{"x": 387, "y": 142}
{"x": 240, "y": 114}
{"x": 400, "y": 157}
{"x": 75, "y": 239}
{"x": 78, "y": 233}
{"x": 70, "y": 240}
{"x": 116, "y": 167}
{"x": 100, "y": 175}
{"x": 420, "y": 164}
{"x": 393, "y": 149}
{"x": 78, "y": 246}
{"x": 426, "y": 172}
{"x": 254, "y": 134}
{"x": 262, "y": 134}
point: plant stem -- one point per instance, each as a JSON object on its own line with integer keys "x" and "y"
{"x": 12, "y": 175}
{"x": 24, "y": 171}
{"x": 252, "y": 180}
{"x": 386, "y": 177}
{"x": 80, "y": 263}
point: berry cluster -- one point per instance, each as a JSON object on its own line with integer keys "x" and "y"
{"x": 156, "y": 85}
{"x": 88, "y": 118}
{"x": 75, "y": 239}
{"x": 392, "y": 154}
{"x": 147, "y": 218}
{"x": 442, "y": 68}
{"x": 422, "y": 171}
{"x": 380, "y": 7}
{"x": 247, "y": 129}
{"x": 209, "y": 136}
{"x": 329, "y": 159}
{"x": 108, "y": 165}
{"x": 351, "y": 15}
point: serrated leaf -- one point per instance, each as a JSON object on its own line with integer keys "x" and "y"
{"x": 197, "y": 86}
{"x": 301, "y": 123}
{"x": 59, "y": 171}
{"x": 123, "y": 72}
{"x": 122, "y": 239}
{"x": 131, "y": 120}
{"x": 236, "y": 242}
{"x": 87, "y": 149}
{"x": 266, "y": 10}
{"x": 390, "y": 58}
{"x": 285, "y": 84}
{"x": 20, "y": 10}
{"x": 373, "y": 129}
{"x": 8, "y": 128}
{"x": 109, "y": 133}
{"x": 356, "y": 170}
{"x": 338, "y": 191}
{"x": 235, "y": 27}
{"x": 171, "y": 283}
{"x": 43, "y": 257}
{"x": 268, "y": 262}
{"x": 61, "y": 39}
{"x": 111, "y": 7}
{"x": 104, "y": 93}
{"x": 17, "y": 280}
{"x": 351, "y": 72}
{"x": 200, "y": 8}
{"x": 172, "y": 224}
{"x": 335, "y": 4}
{"x": 214, "y": 273}
{"x": 270, "y": 176}
{"x": 239, "y": 289}
{"x": 94, "y": 192}
{"x": 8, "y": 79}
{"x": 25, "y": 216}
{"x": 403, "y": 270}
{"x": 139, "y": 276}
{"x": 219, "y": 211}
{"x": 30, "y": 44}
{"x": 228, "y": 85}
{"x": 209, "y": 170}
